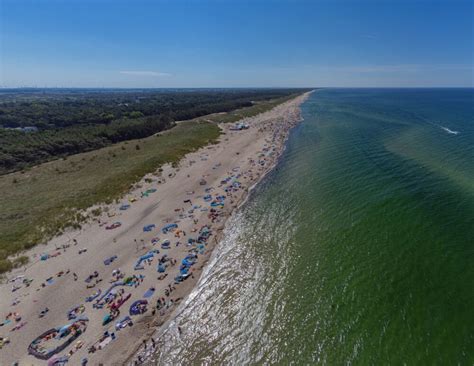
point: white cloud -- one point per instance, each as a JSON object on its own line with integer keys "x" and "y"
{"x": 144, "y": 73}
{"x": 403, "y": 68}
{"x": 383, "y": 68}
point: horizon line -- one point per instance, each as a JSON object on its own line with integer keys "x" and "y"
{"x": 237, "y": 87}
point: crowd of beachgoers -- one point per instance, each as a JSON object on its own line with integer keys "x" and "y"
{"x": 98, "y": 295}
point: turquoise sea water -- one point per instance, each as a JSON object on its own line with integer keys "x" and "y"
{"x": 357, "y": 249}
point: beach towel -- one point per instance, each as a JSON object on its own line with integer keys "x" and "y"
{"x": 149, "y": 293}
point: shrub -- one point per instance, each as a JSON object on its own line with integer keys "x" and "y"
{"x": 20, "y": 261}
{"x": 5, "y": 265}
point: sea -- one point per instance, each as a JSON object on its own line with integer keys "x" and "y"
{"x": 357, "y": 249}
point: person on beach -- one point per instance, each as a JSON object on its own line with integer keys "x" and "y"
{"x": 163, "y": 303}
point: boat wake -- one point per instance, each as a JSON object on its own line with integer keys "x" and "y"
{"x": 449, "y": 131}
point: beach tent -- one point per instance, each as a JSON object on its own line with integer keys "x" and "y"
{"x": 122, "y": 323}
{"x": 138, "y": 265}
{"x": 38, "y": 349}
{"x": 138, "y": 307}
{"x": 120, "y": 283}
{"x": 121, "y": 302}
{"x": 58, "y": 361}
{"x": 181, "y": 278}
{"x": 149, "y": 292}
{"x": 114, "y": 225}
{"x": 149, "y": 227}
{"x": 75, "y": 311}
{"x": 168, "y": 228}
{"x": 110, "y": 260}
{"x": 109, "y": 317}
{"x": 94, "y": 296}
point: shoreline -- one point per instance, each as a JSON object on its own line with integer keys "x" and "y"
{"x": 142, "y": 357}
{"x": 247, "y": 156}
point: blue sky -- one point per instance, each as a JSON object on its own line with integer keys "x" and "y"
{"x": 230, "y": 43}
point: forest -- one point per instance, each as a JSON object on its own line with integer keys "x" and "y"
{"x": 70, "y": 121}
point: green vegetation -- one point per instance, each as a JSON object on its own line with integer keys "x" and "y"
{"x": 43, "y": 201}
{"x": 69, "y": 122}
{"x": 19, "y": 150}
{"x": 238, "y": 114}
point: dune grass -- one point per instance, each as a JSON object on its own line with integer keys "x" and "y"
{"x": 41, "y": 202}
{"x": 238, "y": 114}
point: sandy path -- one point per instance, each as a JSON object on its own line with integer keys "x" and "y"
{"x": 240, "y": 156}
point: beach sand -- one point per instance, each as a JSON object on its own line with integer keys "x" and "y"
{"x": 237, "y": 162}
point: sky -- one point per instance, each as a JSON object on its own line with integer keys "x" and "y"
{"x": 231, "y": 43}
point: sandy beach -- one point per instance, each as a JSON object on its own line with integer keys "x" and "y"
{"x": 171, "y": 220}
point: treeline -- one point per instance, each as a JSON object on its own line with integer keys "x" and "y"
{"x": 19, "y": 149}
{"x": 51, "y": 110}
{"x": 71, "y": 122}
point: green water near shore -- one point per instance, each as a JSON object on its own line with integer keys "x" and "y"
{"x": 358, "y": 248}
